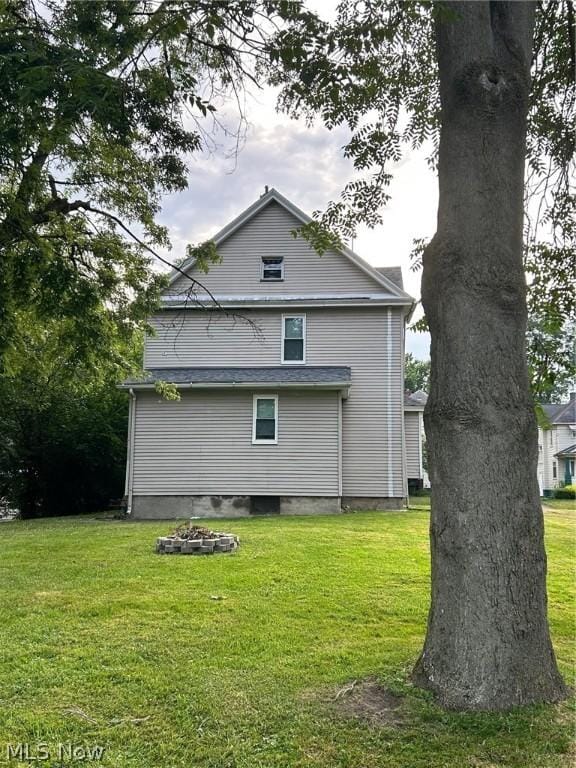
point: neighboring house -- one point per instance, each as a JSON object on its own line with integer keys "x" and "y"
{"x": 414, "y": 435}
{"x": 557, "y": 446}
{"x": 291, "y": 388}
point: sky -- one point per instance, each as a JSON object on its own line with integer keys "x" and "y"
{"x": 306, "y": 165}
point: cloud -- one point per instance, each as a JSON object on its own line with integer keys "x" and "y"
{"x": 418, "y": 344}
{"x": 306, "y": 164}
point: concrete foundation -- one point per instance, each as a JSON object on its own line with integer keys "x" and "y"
{"x": 310, "y": 505}
{"x": 375, "y": 503}
{"x": 178, "y": 507}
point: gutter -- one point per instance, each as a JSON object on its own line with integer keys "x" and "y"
{"x": 292, "y": 303}
{"x": 329, "y": 385}
{"x": 411, "y": 310}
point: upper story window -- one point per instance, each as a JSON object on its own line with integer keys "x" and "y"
{"x": 294, "y": 339}
{"x": 273, "y": 268}
{"x": 265, "y": 419}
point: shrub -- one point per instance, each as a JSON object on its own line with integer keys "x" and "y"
{"x": 568, "y": 492}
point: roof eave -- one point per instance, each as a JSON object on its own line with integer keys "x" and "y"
{"x": 262, "y": 202}
{"x": 328, "y": 385}
{"x": 276, "y": 303}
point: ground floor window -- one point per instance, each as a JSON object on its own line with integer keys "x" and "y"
{"x": 265, "y": 419}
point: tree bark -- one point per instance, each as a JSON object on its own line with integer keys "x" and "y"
{"x": 488, "y": 645}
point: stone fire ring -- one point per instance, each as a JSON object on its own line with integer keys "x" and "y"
{"x": 219, "y": 542}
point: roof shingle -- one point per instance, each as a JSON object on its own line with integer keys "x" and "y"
{"x": 271, "y": 375}
{"x": 394, "y": 274}
{"x": 563, "y": 413}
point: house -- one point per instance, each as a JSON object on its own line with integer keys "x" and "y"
{"x": 289, "y": 368}
{"x": 415, "y": 438}
{"x": 557, "y": 446}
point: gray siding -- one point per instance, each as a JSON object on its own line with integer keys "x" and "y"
{"x": 369, "y": 340}
{"x": 269, "y": 234}
{"x": 412, "y": 428}
{"x": 202, "y": 444}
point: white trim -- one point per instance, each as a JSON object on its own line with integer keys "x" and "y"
{"x": 200, "y": 303}
{"x": 182, "y": 297}
{"x": 128, "y": 443}
{"x": 421, "y": 443}
{"x": 279, "y": 266}
{"x": 255, "y": 399}
{"x": 403, "y": 419}
{"x": 293, "y": 317}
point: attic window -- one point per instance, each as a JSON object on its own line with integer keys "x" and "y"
{"x": 273, "y": 268}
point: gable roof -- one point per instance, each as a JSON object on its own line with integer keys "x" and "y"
{"x": 562, "y": 413}
{"x": 381, "y": 276}
{"x": 568, "y": 452}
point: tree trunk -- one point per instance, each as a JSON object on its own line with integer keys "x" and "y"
{"x": 487, "y": 646}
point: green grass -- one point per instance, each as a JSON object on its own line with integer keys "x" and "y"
{"x": 568, "y": 505}
{"x": 96, "y": 632}
{"x": 419, "y": 502}
{"x": 565, "y": 504}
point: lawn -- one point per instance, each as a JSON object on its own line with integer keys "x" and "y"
{"x": 566, "y": 504}
{"x": 105, "y": 643}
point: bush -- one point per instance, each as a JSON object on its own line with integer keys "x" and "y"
{"x": 63, "y": 422}
{"x": 65, "y": 455}
{"x": 568, "y": 492}
{"x": 420, "y": 492}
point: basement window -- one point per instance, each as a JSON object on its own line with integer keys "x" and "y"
{"x": 265, "y": 419}
{"x": 272, "y": 268}
{"x": 264, "y": 505}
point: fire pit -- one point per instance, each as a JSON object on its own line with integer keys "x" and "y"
{"x": 194, "y": 540}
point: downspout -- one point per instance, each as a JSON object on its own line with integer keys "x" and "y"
{"x": 130, "y": 461}
{"x": 403, "y": 413}
{"x": 421, "y": 438}
{"x": 339, "y": 395}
